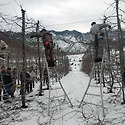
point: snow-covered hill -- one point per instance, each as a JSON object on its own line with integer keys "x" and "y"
{"x": 70, "y": 41}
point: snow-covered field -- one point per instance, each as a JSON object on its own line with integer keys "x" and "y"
{"x": 60, "y": 110}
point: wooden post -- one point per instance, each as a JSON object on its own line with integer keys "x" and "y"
{"x": 23, "y": 66}
{"x": 39, "y": 62}
{"x": 108, "y": 58}
{"x": 121, "y": 54}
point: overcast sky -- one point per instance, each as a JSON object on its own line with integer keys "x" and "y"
{"x": 60, "y": 15}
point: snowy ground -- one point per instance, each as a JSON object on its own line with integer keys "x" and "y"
{"x": 60, "y": 111}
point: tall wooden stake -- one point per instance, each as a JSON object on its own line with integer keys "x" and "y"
{"x": 23, "y": 67}
{"x": 120, "y": 40}
{"x": 39, "y": 62}
{"x": 108, "y": 57}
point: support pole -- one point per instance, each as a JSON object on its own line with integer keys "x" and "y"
{"x": 39, "y": 61}
{"x": 121, "y": 54}
{"x": 23, "y": 67}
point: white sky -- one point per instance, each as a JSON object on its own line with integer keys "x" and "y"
{"x": 60, "y": 15}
